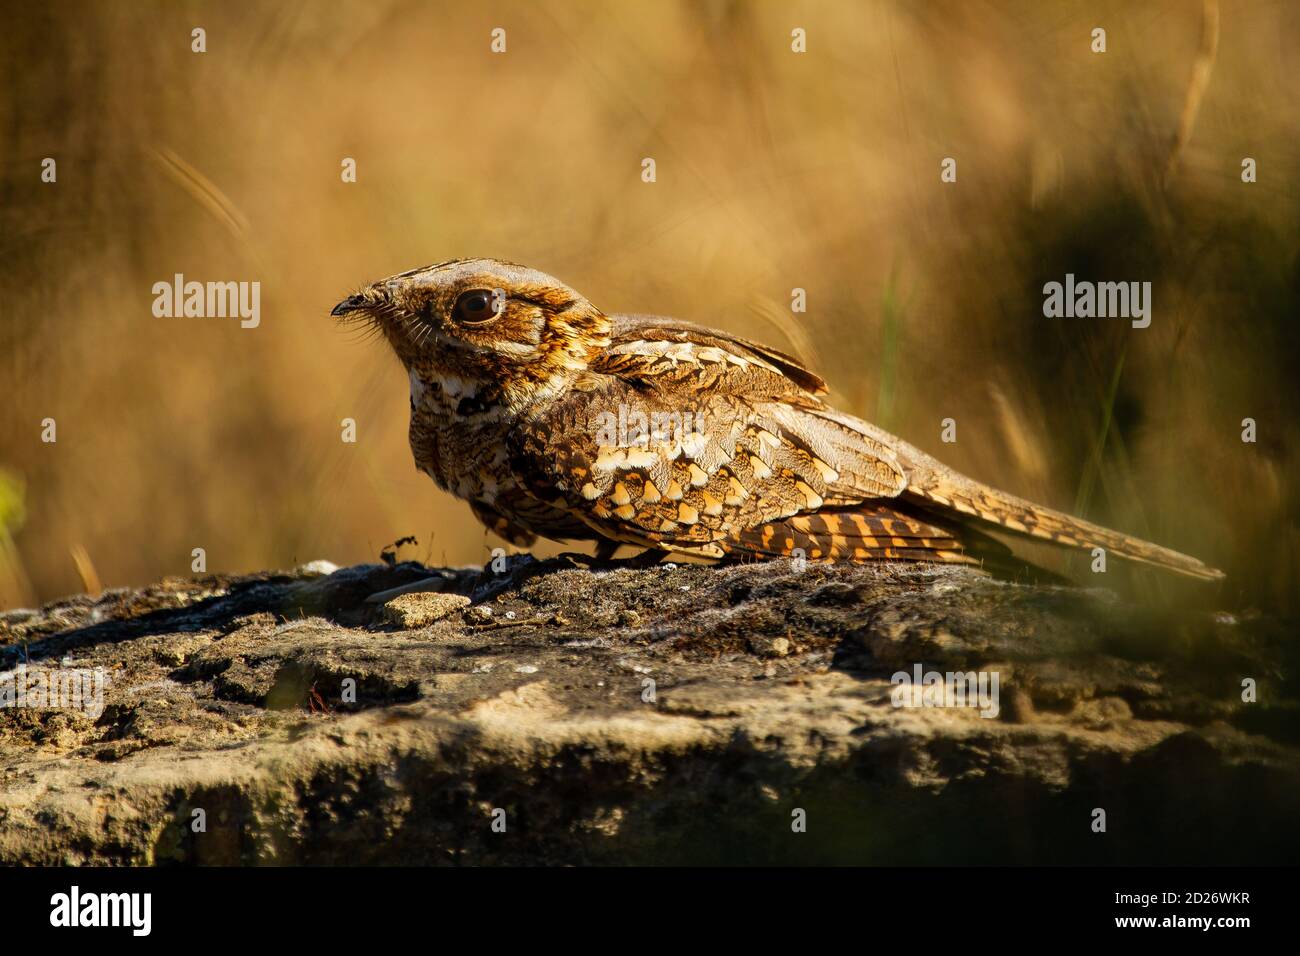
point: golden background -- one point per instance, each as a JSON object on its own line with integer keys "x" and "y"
{"x": 775, "y": 170}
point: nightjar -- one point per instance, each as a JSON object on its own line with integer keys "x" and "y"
{"x": 553, "y": 418}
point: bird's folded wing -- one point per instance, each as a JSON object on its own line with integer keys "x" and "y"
{"x": 672, "y": 350}
{"x": 686, "y": 438}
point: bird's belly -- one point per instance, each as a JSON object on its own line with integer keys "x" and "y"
{"x": 542, "y": 518}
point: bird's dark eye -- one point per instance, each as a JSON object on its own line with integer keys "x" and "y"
{"x": 477, "y": 306}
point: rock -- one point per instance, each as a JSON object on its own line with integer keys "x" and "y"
{"x": 617, "y": 718}
{"x": 421, "y": 610}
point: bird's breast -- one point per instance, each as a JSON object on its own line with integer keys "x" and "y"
{"x": 458, "y": 434}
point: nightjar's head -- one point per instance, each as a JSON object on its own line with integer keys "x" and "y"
{"x": 480, "y": 320}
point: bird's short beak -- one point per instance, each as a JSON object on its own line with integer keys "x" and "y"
{"x": 351, "y": 304}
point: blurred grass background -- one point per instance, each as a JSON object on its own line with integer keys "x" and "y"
{"x": 775, "y": 170}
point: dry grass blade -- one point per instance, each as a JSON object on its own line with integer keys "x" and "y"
{"x": 204, "y": 191}
{"x": 794, "y": 333}
{"x": 1196, "y": 86}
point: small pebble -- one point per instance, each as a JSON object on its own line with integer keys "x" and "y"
{"x": 422, "y": 609}
{"x": 770, "y": 646}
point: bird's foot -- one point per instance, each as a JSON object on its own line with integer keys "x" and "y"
{"x": 604, "y": 560}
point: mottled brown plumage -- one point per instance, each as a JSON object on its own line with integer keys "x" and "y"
{"x": 552, "y": 418}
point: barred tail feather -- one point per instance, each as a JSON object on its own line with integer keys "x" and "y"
{"x": 865, "y": 533}
{"x": 964, "y": 496}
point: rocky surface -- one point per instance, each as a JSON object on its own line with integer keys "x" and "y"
{"x": 678, "y": 714}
